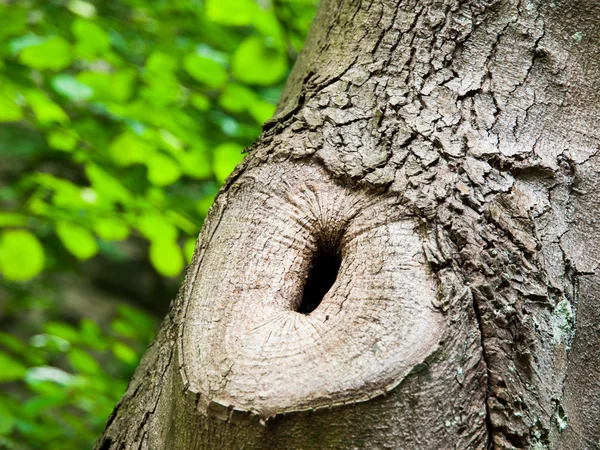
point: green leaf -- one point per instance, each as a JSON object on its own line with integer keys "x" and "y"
{"x": 19, "y": 43}
{"x": 38, "y": 406}
{"x": 266, "y": 23}
{"x": 92, "y": 335}
{"x": 171, "y": 142}
{"x": 111, "y": 229}
{"x": 231, "y": 12}
{"x": 12, "y": 219}
{"x": 10, "y": 368}
{"x": 21, "y": 255}
{"x": 13, "y": 20}
{"x": 13, "y": 343}
{"x": 226, "y": 157}
{"x": 122, "y": 84}
{"x": 262, "y": 111}
{"x": 45, "y": 110}
{"x": 49, "y": 342}
{"x": 83, "y": 362}
{"x": 133, "y": 322}
{"x": 63, "y": 139}
{"x": 183, "y": 222}
{"x": 91, "y": 38}
{"x": 128, "y": 149}
{"x": 204, "y": 204}
{"x": 254, "y": 62}
{"x": 63, "y": 331}
{"x": 155, "y": 227}
{"x": 162, "y": 170}
{"x": 163, "y": 90}
{"x": 106, "y": 185}
{"x": 77, "y": 240}
{"x": 125, "y": 353}
{"x": 205, "y": 70}
{"x": 38, "y": 375}
{"x": 99, "y": 82}
{"x": 70, "y": 87}
{"x": 160, "y": 62}
{"x": 90, "y": 330}
{"x": 81, "y": 8}
{"x": 236, "y": 98}
{"x": 229, "y": 125}
{"x": 123, "y": 328}
{"x": 7, "y": 420}
{"x": 117, "y": 87}
{"x": 66, "y": 194}
{"x": 166, "y": 257}
{"x": 200, "y": 102}
{"x": 10, "y": 111}
{"x": 195, "y": 163}
{"x": 53, "y": 54}
{"x": 188, "y": 249}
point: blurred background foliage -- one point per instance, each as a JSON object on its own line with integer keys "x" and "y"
{"x": 119, "y": 121}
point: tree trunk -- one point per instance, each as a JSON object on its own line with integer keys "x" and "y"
{"x": 408, "y": 257}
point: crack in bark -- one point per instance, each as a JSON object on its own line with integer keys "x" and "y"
{"x": 488, "y": 421}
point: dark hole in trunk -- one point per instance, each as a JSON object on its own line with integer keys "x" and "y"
{"x": 105, "y": 444}
{"x": 322, "y": 275}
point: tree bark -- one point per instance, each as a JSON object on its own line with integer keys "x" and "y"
{"x": 445, "y": 154}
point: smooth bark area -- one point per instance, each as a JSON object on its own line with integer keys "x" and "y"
{"x": 445, "y": 153}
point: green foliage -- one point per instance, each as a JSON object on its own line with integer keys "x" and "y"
{"x": 79, "y": 241}
{"x": 53, "y": 53}
{"x": 126, "y": 103}
{"x": 119, "y": 121}
{"x": 21, "y": 255}
{"x": 256, "y": 62}
{"x": 65, "y": 380}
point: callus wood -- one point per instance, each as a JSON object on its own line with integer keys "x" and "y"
{"x": 247, "y": 347}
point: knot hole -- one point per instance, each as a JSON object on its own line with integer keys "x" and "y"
{"x": 322, "y": 273}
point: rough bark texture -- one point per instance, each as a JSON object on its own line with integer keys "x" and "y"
{"x": 448, "y": 152}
